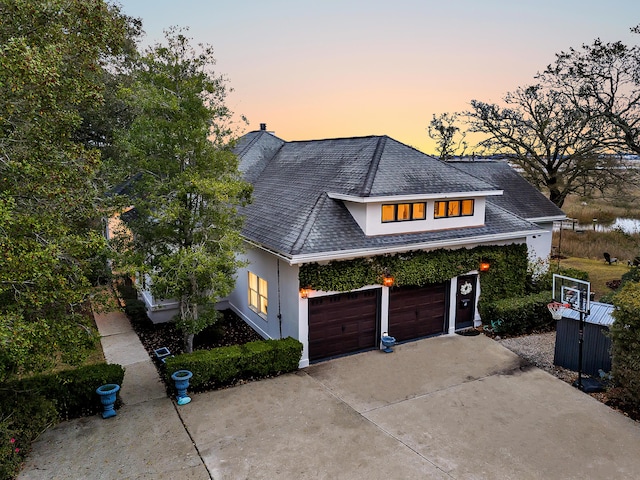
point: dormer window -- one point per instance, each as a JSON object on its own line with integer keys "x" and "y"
{"x": 402, "y": 212}
{"x": 453, "y": 208}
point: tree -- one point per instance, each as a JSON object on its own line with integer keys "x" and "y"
{"x": 558, "y": 148}
{"x": 443, "y": 130}
{"x": 186, "y": 231}
{"x": 602, "y": 80}
{"x": 625, "y": 344}
{"x": 51, "y": 56}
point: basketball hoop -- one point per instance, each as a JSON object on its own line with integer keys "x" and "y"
{"x": 556, "y": 309}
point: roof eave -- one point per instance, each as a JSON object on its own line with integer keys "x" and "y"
{"x": 368, "y": 252}
{"x": 555, "y": 218}
{"x": 415, "y": 196}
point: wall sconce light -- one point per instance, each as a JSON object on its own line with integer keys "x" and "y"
{"x": 305, "y": 291}
{"x": 388, "y": 280}
{"x": 484, "y": 266}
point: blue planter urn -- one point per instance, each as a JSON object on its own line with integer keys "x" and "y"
{"x": 181, "y": 379}
{"x": 388, "y": 342}
{"x": 108, "y": 398}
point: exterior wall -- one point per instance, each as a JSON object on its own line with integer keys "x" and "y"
{"x": 159, "y": 311}
{"x": 369, "y": 217}
{"x": 288, "y": 313}
{"x": 539, "y": 245}
{"x": 282, "y": 293}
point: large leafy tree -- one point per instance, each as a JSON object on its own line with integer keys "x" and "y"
{"x": 51, "y": 56}
{"x": 186, "y": 230}
{"x": 559, "y": 149}
{"x": 450, "y": 140}
{"x": 602, "y": 80}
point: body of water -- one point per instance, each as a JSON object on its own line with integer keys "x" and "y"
{"x": 627, "y": 225}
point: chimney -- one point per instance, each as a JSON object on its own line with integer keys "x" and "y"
{"x": 263, "y": 126}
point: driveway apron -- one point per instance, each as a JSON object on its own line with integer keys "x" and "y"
{"x": 448, "y": 407}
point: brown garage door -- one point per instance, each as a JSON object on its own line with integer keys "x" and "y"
{"x": 343, "y": 323}
{"x": 416, "y": 312}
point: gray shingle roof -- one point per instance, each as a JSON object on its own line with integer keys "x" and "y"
{"x": 520, "y": 197}
{"x": 292, "y": 214}
{"x": 254, "y": 150}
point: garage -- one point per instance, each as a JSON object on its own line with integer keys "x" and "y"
{"x": 416, "y": 312}
{"x": 343, "y": 323}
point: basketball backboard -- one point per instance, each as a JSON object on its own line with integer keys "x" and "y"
{"x": 576, "y": 293}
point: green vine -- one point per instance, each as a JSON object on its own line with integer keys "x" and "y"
{"x": 506, "y": 276}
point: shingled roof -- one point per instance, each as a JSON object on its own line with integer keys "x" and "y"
{"x": 293, "y": 215}
{"x": 520, "y": 197}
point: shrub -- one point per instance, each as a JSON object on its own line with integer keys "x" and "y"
{"x": 29, "y": 406}
{"x": 72, "y": 392}
{"x": 22, "y": 419}
{"x": 625, "y": 338}
{"x": 222, "y": 366}
{"x": 518, "y": 315}
{"x": 544, "y": 282}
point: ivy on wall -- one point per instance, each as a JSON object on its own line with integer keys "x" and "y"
{"x": 506, "y": 277}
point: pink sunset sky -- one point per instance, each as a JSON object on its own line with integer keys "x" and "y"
{"x": 343, "y": 68}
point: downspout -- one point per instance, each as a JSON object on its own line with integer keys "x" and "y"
{"x": 279, "y": 309}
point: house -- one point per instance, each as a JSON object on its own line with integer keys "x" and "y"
{"x": 521, "y": 198}
{"x": 334, "y": 201}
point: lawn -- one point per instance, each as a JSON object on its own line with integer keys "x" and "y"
{"x": 599, "y": 272}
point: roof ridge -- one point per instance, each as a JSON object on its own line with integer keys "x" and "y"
{"x": 249, "y": 145}
{"x": 336, "y": 138}
{"x": 308, "y": 224}
{"x": 373, "y": 167}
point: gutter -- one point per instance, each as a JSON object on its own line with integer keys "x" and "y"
{"x": 348, "y": 254}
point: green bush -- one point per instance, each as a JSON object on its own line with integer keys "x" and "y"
{"x": 72, "y": 392}
{"x": 625, "y": 339}
{"x": 287, "y": 353}
{"x": 544, "y": 282}
{"x": 22, "y": 419}
{"x": 518, "y": 315}
{"x": 29, "y": 406}
{"x": 222, "y": 366}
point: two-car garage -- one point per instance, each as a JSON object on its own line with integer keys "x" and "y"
{"x": 349, "y": 322}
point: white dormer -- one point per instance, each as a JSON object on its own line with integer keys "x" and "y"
{"x": 417, "y": 213}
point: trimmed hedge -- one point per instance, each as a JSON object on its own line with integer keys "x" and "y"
{"x": 30, "y": 405}
{"x": 222, "y": 366}
{"x": 625, "y": 339}
{"x": 72, "y": 392}
{"x": 518, "y": 315}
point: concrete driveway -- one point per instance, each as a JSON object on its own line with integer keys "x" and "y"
{"x": 450, "y": 407}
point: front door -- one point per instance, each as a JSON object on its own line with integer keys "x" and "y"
{"x": 466, "y": 301}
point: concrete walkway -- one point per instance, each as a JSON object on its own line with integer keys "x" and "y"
{"x": 145, "y": 440}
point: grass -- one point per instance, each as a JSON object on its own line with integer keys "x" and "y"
{"x": 599, "y": 272}
{"x": 615, "y": 203}
{"x": 590, "y": 244}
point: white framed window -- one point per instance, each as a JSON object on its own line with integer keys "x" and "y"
{"x": 453, "y": 208}
{"x": 402, "y": 212}
{"x": 258, "y": 298}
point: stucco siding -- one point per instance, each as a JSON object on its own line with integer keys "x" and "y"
{"x": 281, "y": 319}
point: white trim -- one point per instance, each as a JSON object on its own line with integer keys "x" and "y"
{"x": 453, "y": 303}
{"x": 416, "y": 197}
{"x": 556, "y": 218}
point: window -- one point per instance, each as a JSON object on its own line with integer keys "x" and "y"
{"x": 258, "y": 294}
{"x": 401, "y": 212}
{"x": 453, "y": 208}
